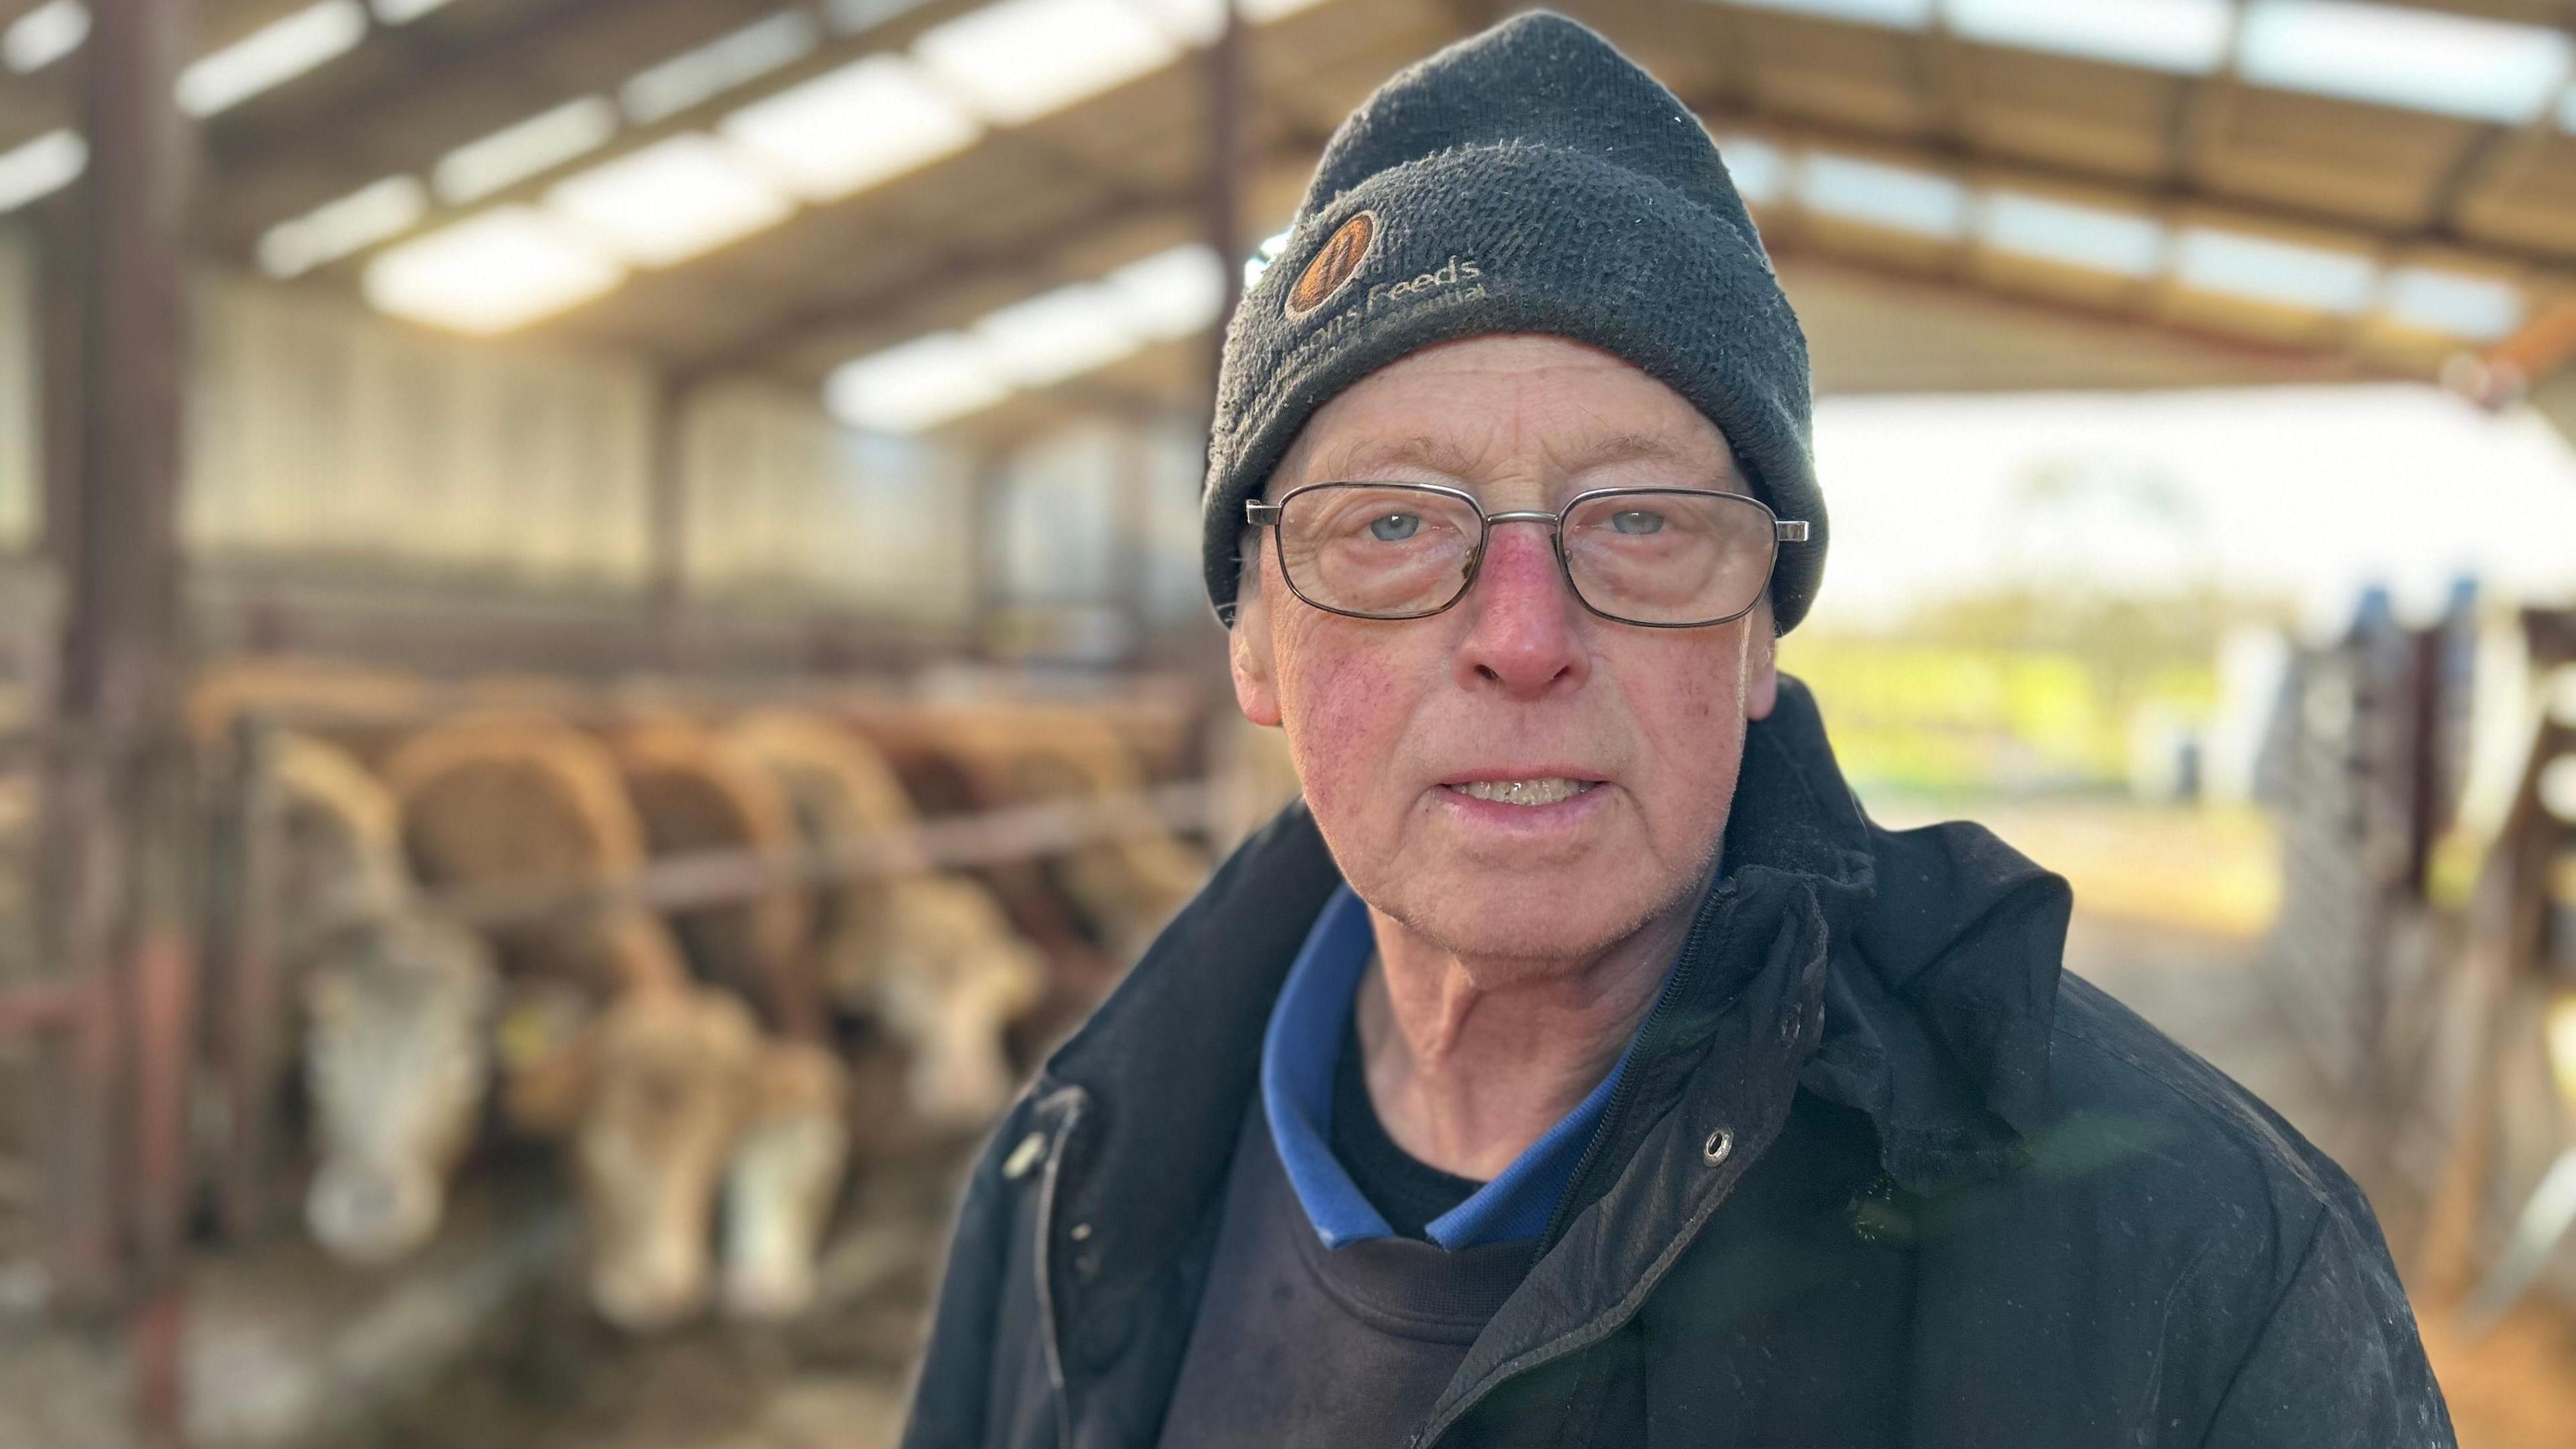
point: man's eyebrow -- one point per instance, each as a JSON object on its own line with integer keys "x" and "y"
{"x": 1448, "y": 457}
{"x": 1420, "y": 451}
{"x": 1638, "y": 448}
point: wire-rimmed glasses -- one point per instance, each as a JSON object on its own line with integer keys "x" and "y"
{"x": 1662, "y": 558}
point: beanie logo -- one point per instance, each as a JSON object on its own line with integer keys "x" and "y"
{"x": 1334, "y": 266}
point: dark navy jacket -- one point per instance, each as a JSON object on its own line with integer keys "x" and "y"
{"x": 1881, "y": 1173}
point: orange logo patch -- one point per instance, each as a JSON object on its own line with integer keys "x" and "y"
{"x": 1334, "y": 266}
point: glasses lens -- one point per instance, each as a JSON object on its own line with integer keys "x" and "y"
{"x": 1670, "y": 556}
{"x": 1381, "y": 549}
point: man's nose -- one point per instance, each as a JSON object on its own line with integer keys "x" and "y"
{"x": 1524, "y": 634}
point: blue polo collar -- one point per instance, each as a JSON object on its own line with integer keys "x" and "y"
{"x": 1298, "y": 1055}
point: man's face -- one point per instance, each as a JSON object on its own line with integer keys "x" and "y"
{"x": 1387, "y": 721}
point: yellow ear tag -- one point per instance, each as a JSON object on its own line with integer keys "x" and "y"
{"x": 527, "y": 1034}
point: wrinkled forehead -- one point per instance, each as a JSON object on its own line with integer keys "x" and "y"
{"x": 1511, "y": 410}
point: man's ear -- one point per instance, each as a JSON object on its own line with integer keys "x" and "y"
{"x": 1761, "y": 665}
{"x": 1256, "y": 690}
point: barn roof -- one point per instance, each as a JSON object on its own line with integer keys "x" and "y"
{"x": 1003, "y": 204}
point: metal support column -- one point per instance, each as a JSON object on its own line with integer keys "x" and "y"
{"x": 988, "y": 556}
{"x": 118, "y": 795}
{"x": 668, "y": 535}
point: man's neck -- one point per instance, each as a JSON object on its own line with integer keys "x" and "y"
{"x": 1465, "y": 1076}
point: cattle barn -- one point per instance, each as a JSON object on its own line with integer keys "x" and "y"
{"x": 601, "y": 638}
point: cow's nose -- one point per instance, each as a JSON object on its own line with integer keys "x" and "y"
{"x": 371, "y": 1212}
{"x": 651, "y": 1290}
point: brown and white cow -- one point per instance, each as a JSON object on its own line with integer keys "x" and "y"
{"x": 931, "y": 957}
{"x": 396, "y": 1009}
{"x": 649, "y": 1077}
{"x": 397, "y": 1058}
{"x": 1126, "y": 886}
{"x": 783, "y": 1179}
{"x": 698, "y": 790}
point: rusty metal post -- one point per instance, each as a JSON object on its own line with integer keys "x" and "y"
{"x": 118, "y": 791}
{"x": 74, "y": 915}
{"x": 988, "y": 586}
{"x": 1229, "y": 113}
{"x": 243, "y": 957}
{"x": 667, "y": 570}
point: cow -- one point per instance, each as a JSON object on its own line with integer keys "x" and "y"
{"x": 694, "y": 790}
{"x": 699, "y": 790}
{"x": 931, "y": 957}
{"x": 396, "y": 1009}
{"x": 649, "y": 1077}
{"x": 1126, "y": 886}
{"x": 397, "y": 1029}
{"x": 783, "y": 1179}
{"x": 948, "y": 978}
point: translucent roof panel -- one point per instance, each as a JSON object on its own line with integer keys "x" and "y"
{"x": 44, "y": 35}
{"x": 2124, "y": 243}
{"x": 1900, "y": 198}
{"x": 670, "y": 201}
{"x": 527, "y": 148}
{"x": 1017, "y": 60}
{"x": 915, "y": 385}
{"x": 2457, "y": 65}
{"x": 852, "y": 128}
{"x": 375, "y": 212}
{"x": 2266, "y": 269}
{"x": 1902, "y": 14}
{"x": 1759, "y": 168}
{"x": 40, "y": 167}
{"x": 1056, "y": 335}
{"x": 403, "y": 12}
{"x": 2186, "y": 37}
{"x": 729, "y": 60}
{"x": 1173, "y": 293}
{"x": 490, "y": 273}
{"x": 2455, "y": 304}
{"x": 270, "y": 56}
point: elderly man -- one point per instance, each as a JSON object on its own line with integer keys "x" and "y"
{"x": 1577, "y": 1065}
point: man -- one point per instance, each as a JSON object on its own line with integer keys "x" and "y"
{"x": 1577, "y": 1065}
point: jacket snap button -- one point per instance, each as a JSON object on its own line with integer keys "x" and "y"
{"x": 1719, "y": 1146}
{"x": 1082, "y": 1232}
{"x": 1023, "y": 1157}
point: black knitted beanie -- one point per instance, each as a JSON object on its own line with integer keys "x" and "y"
{"x": 1530, "y": 179}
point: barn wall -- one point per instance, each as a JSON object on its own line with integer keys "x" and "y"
{"x": 326, "y": 439}
{"x": 319, "y": 431}
{"x": 785, "y": 505}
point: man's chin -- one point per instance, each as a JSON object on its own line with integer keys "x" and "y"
{"x": 1543, "y": 921}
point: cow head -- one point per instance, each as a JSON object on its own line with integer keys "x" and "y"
{"x": 950, "y": 978}
{"x": 781, "y": 1183}
{"x": 669, "y": 1085}
{"x": 396, "y": 1058}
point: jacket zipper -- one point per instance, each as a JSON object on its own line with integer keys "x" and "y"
{"x": 1649, "y": 1042}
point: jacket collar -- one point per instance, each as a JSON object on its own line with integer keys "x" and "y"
{"x": 1933, "y": 1019}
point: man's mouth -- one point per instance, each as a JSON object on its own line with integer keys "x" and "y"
{"x": 1554, "y": 789}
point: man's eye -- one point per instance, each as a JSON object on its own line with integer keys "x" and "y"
{"x": 1395, "y": 527}
{"x": 1637, "y": 520}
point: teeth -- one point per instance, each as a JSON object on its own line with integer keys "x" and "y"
{"x": 1524, "y": 792}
